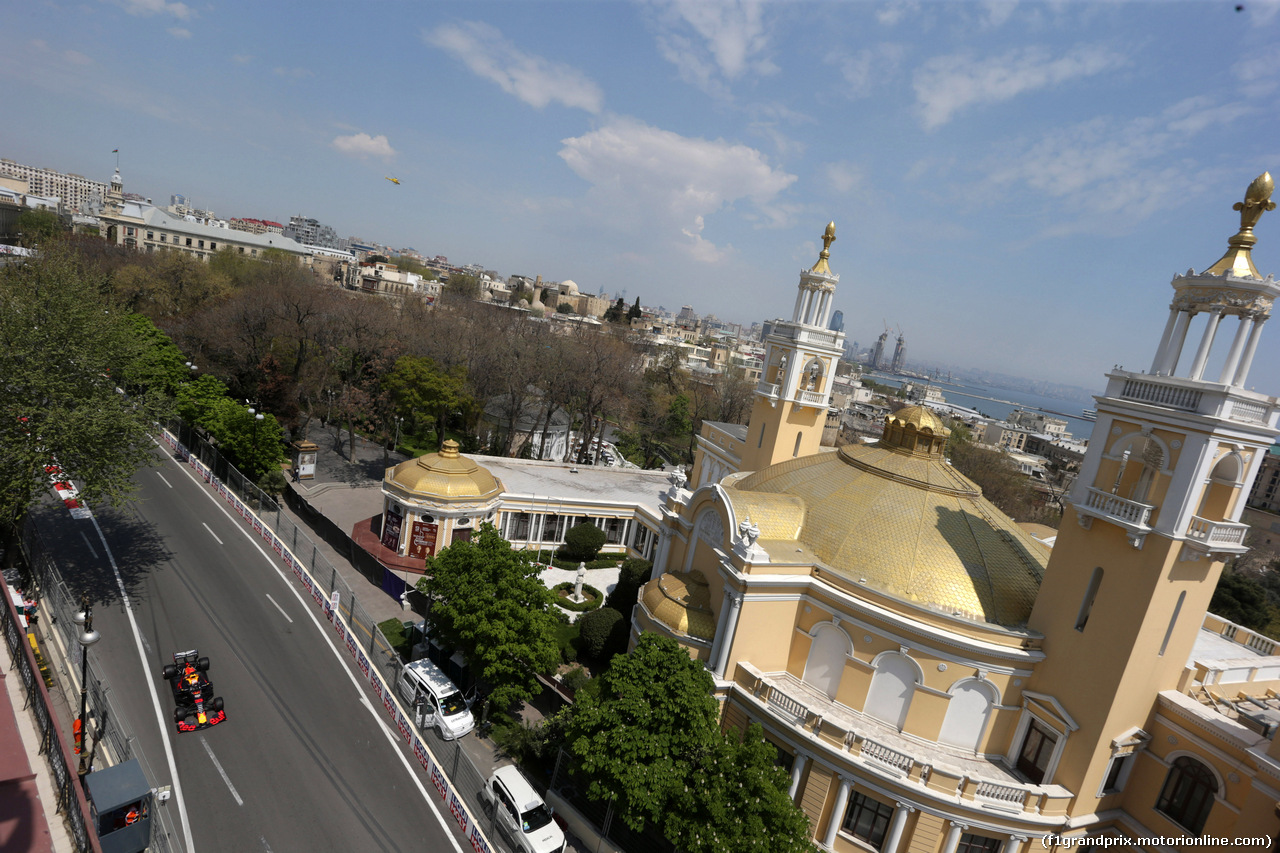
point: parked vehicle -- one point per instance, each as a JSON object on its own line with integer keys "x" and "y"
{"x": 522, "y": 813}
{"x": 434, "y": 700}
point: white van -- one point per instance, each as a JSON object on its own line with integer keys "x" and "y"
{"x": 434, "y": 700}
{"x": 522, "y": 812}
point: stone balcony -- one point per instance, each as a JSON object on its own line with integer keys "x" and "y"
{"x": 1215, "y": 539}
{"x": 1133, "y": 516}
{"x": 935, "y": 770}
{"x": 1211, "y": 399}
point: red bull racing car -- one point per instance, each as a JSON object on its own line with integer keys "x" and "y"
{"x": 197, "y": 708}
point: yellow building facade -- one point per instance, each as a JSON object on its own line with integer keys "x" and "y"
{"x": 934, "y": 678}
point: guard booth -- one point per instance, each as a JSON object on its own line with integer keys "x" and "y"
{"x": 304, "y": 459}
{"x": 120, "y": 798}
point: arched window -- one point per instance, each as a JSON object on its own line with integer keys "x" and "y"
{"x": 827, "y": 656}
{"x": 967, "y": 713}
{"x": 1188, "y": 793}
{"x": 891, "y": 690}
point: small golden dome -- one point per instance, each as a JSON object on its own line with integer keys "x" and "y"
{"x": 922, "y": 418}
{"x": 682, "y": 603}
{"x": 915, "y": 429}
{"x": 445, "y": 475}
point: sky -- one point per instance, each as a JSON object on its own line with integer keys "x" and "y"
{"x": 1014, "y": 184}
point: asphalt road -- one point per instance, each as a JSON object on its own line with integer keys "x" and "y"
{"x": 303, "y": 762}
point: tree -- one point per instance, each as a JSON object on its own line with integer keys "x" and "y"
{"x": 487, "y": 601}
{"x": 564, "y": 308}
{"x": 634, "y": 313}
{"x": 654, "y": 718}
{"x": 423, "y": 392}
{"x": 617, "y": 312}
{"x": 583, "y": 542}
{"x": 1242, "y": 600}
{"x": 736, "y": 799}
{"x": 603, "y": 633}
{"x": 37, "y": 227}
{"x": 462, "y": 286}
{"x": 62, "y": 342}
{"x": 634, "y": 574}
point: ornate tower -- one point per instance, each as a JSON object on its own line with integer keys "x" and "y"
{"x": 799, "y": 365}
{"x": 1154, "y": 513}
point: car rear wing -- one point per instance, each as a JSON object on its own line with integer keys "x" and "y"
{"x": 186, "y": 657}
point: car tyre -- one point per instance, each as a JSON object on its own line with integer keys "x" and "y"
{"x": 179, "y": 714}
{"x": 169, "y": 671}
{"x": 202, "y": 665}
{"x": 216, "y": 704}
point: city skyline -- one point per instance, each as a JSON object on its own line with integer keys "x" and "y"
{"x": 1013, "y": 184}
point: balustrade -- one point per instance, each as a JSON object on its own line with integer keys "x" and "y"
{"x": 1122, "y": 509}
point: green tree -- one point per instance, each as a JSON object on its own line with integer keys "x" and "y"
{"x": 423, "y": 392}
{"x": 564, "y": 308}
{"x": 635, "y": 573}
{"x": 582, "y": 542}
{"x": 736, "y": 799}
{"x": 37, "y": 227}
{"x": 61, "y": 343}
{"x": 487, "y": 601}
{"x": 654, "y": 718}
{"x": 1242, "y": 600}
{"x": 603, "y": 633}
{"x": 160, "y": 364}
{"x": 616, "y": 313}
{"x": 635, "y": 313}
{"x": 462, "y": 286}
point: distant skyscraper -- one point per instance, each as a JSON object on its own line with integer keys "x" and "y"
{"x": 177, "y": 199}
{"x": 877, "y": 354}
{"x": 837, "y": 321}
{"x": 899, "y": 354}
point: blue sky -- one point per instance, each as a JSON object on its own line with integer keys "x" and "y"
{"x": 1013, "y": 184}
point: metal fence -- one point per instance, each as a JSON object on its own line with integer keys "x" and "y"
{"x": 602, "y": 815}
{"x": 71, "y": 800}
{"x": 112, "y": 740}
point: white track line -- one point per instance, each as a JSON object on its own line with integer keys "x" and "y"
{"x": 324, "y": 632}
{"x": 211, "y": 533}
{"x": 278, "y": 607}
{"x": 89, "y": 544}
{"x": 151, "y": 686}
{"x": 166, "y": 482}
{"x": 221, "y": 772}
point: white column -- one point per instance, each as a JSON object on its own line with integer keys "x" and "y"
{"x": 1206, "y": 343}
{"x": 797, "y": 771}
{"x": 1015, "y": 843}
{"x": 824, "y": 307}
{"x": 1174, "y": 350}
{"x": 953, "y": 837}
{"x": 665, "y": 534}
{"x": 808, "y": 303}
{"x": 1242, "y": 372}
{"x": 1237, "y": 346}
{"x": 896, "y": 828}
{"x": 718, "y": 637}
{"x": 1164, "y": 340}
{"x": 837, "y": 812}
{"x": 795, "y": 314}
{"x": 726, "y": 640}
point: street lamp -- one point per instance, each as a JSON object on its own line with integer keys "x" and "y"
{"x": 87, "y": 638}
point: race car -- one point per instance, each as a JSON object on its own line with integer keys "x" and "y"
{"x": 193, "y": 692}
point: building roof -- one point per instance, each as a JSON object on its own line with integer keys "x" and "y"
{"x": 445, "y": 475}
{"x": 898, "y": 518}
{"x": 160, "y": 220}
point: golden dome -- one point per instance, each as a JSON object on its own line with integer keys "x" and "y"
{"x": 445, "y": 475}
{"x": 682, "y": 603}
{"x": 903, "y": 523}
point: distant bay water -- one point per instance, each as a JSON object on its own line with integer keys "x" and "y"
{"x": 999, "y": 403}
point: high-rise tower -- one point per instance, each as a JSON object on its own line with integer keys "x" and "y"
{"x": 1155, "y": 511}
{"x": 899, "y": 354}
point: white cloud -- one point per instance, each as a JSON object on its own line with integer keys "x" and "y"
{"x": 363, "y": 145}
{"x": 181, "y": 11}
{"x": 844, "y": 176}
{"x": 947, "y": 84}
{"x": 656, "y": 178}
{"x": 532, "y": 79}
{"x": 893, "y": 12}
{"x": 179, "y": 32}
{"x": 866, "y": 68}
{"x": 1259, "y": 72}
{"x": 700, "y": 249}
{"x": 294, "y": 73}
{"x": 1193, "y": 115}
{"x": 712, "y": 43}
{"x": 997, "y": 11}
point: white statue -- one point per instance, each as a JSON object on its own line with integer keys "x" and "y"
{"x": 577, "y": 581}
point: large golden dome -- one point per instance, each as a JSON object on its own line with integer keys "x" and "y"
{"x": 445, "y": 475}
{"x": 898, "y": 518}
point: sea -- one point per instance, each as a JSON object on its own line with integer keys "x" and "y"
{"x": 1001, "y": 402}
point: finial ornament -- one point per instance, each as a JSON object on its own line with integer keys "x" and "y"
{"x": 828, "y": 237}
{"x": 1257, "y": 199}
{"x": 1237, "y": 260}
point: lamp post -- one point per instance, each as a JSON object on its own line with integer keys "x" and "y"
{"x": 87, "y": 638}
